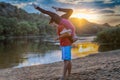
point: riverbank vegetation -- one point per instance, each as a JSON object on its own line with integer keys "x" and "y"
{"x": 109, "y": 36}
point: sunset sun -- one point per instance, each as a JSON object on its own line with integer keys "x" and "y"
{"x": 85, "y": 15}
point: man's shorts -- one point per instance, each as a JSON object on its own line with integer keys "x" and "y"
{"x": 66, "y": 52}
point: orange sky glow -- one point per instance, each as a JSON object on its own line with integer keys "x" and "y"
{"x": 90, "y": 15}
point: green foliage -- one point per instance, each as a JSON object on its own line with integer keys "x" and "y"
{"x": 110, "y": 35}
{"x": 8, "y": 25}
{"x": 1, "y": 29}
{"x": 23, "y": 28}
{"x": 45, "y": 28}
{"x": 26, "y": 28}
{"x": 17, "y": 27}
{"x": 33, "y": 29}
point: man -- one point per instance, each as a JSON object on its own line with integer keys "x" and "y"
{"x": 66, "y": 32}
{"x": 65, "y": 44}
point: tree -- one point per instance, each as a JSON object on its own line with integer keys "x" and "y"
{"x": 110, "y": 35}
{"x": 1, "y": 29}
{"x": 9, "y": 25}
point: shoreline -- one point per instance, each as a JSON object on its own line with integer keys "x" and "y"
{"x": 101, "y": 66}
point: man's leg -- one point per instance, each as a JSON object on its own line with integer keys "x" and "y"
{"x": 65, "y": 69}
{"x": 69, "y": 67}
{"x": 66, "y": 56}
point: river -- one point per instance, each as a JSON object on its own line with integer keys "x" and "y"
{"x": 21, "y": 52}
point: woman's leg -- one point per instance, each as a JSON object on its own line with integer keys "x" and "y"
{"x": 53, "y": 16}
{"x": 68, "y": 12}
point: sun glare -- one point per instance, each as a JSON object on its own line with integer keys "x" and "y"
{"x": 89, "y": 17}
{"x": 84, "y": 49}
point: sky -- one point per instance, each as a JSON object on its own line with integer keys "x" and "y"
{"x": 98, "y": 11}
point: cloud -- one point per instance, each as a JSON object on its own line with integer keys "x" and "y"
{"x": 82, "y": 3}
{"x": 98, "y": 4}
{"x": 117, "y": 9}
{"x": 75, "y": 1}
{"x": 69, "y": 1}
{"x": 21, "y": 1}
{"x": 106, "y": 11}
{"x": 95, "y": 4}
{"x": 22, "y": 5}
{"x": 113, "y": 21}
{"x": 113, "y": 15}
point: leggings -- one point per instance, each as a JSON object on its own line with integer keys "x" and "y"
{"x": 68, "y": 12}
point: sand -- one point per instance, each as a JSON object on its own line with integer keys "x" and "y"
{"x": 101, "y": 66}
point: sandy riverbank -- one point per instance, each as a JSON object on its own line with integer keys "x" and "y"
{"x": 101, "y": 66}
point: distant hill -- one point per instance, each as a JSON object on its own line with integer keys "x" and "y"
{"x": 83, "y": 26}
{"x": 10, "y": 11}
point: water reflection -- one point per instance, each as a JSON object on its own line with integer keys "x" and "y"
{"x": 11, "y": 53}
{"x": 17, "y": 51}
{"x": 84, "y": 49}
{"x": 27, "y": 52}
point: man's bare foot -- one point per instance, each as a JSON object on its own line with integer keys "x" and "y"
{"x": 69, "y": 75}
{"x": 56, "y": 8}
{"x": 34, "y": 5}
{"x": 62, "y": 78}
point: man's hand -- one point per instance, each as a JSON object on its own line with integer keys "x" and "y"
{"x": 56, "y": 8}
{"x": 34, "y": 5}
